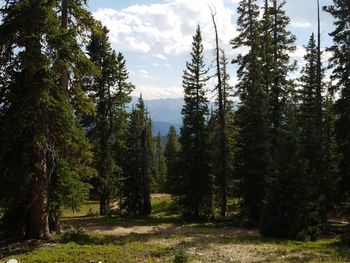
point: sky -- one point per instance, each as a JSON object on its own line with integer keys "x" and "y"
{"x": 155, "y": 36}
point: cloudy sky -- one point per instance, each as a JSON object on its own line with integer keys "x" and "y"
{"x": 155, "y": 36}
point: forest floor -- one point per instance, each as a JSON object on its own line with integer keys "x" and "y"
{"x": 162, "y": 236}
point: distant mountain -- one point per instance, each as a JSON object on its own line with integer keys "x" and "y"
{"x": 164, "y": 113}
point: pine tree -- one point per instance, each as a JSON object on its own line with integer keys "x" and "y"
{"x": 331, "y": 156}
{"x": 215, "y": 127}
{"x": 340, "y": 62}
{"x": 196, "y": 184}
{"x": 171, "y": 154}
{"x": 43, "y": 144}
{"x": 160, "y": 166}
{"x": 223, "y": 157}
{"x": 102, "y": 134}
{"x": 277, "y": 43}
{"x": 252, "y": 116}
{"x": 72, "y": 64}
{"x": 310, "y": 99}
{"x": 135, "y": 195}
{"x": 290, "y": 210}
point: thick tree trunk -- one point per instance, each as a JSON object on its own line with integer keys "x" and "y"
{"x": 38, "y": 218}
{"x": 38, "y": 226}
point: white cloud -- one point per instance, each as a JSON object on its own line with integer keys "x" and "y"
{"x": 298, "y": 55}
{"x": 144, "y": 74}
{"x": 167, "y": 28}
{"x": 158, "y": 92}
{"x": 160, "y": 56}
{"x": 300, "y": 24}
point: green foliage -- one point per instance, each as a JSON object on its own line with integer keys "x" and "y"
{"x": 181, "y": 257}
{"x": 77, "y": 235}
{"x": 110, "y": 112}
{"x": 251, "y": 118}
{"x": 137, "y": 163}
{"x": 160, "y": 171}
{"x": 290, "y": 210}
{"x": 196, "y": 181}
{"x": 340, "y": 63}
{"x": 45, "y": 163}
{"x": 171, "y": 154}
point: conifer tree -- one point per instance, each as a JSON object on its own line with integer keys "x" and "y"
{"x": 196, "y": 189}
{"x": 290, "y": 210}
{"x": 330, "y": 184}
{"x": 160, "y": 166}
{"x": 310, "y": 98}
{"x": 277, "y": 43}
{"x": 171, "y": 154}
{"x": 135, "y": 194}
{"x": 43, "y": 144}
{"x": 72, "y": 65}
{"x": 229, "y": 135}
{"x": 340, "y": 61}
{"x": 102, "y": 134}
{"x": 252, "y": 116}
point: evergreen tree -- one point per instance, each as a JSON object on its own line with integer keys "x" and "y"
{"x": 331, "y": 156}
{"x": 43, "y": 144}
{"x": 229, "y": 135}
{"x": 277, "y": 43}
{"x": 252, "y": 116}
{"x": 340, "y": 62}
{"x": 160, "y": 166}
{"x": 135, "y": 195}
{"x": 309, "y": 122}
{"x": 103, "y": 124}
{"x": 171, "y": 154}
{"x": 290, "y": 210}
{"x": 72, "y": 64}
{"x": 196, "y": 191}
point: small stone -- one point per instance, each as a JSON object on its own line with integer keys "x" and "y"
{"x": 12, "y": 260}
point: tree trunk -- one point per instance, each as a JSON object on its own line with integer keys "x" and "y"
{"x": 103, "y": 204}
{"x": 38, "y": 226}
{"x": 37, "y": 221}
{"x": 222, "y": 171}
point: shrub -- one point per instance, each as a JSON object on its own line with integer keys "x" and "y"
{"x": 76, "y": 235}
{"x": 181, "y": 257}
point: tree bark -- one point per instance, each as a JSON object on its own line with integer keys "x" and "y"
{"x": 37, "y": 221}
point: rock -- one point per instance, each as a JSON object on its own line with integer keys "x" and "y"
{"x": 12, "y": 260}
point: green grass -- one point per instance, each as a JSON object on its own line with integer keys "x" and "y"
{"x": 73, "y": 252}
{"x": 208, "y": 242}
{"x": 91, "y": 208}
{"x": 142, "y": 248}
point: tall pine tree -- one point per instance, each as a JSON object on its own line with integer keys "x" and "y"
{"x": 43, "y": 144}
{"x": 103, "y": 126}
{"x": 252, "y": 154}
{"x": 196, "y": 191}
{"x": 135, "y": 193}
{"x": 340, "y": 62}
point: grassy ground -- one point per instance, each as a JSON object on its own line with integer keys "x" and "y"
{"x": 162, "y": 236}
